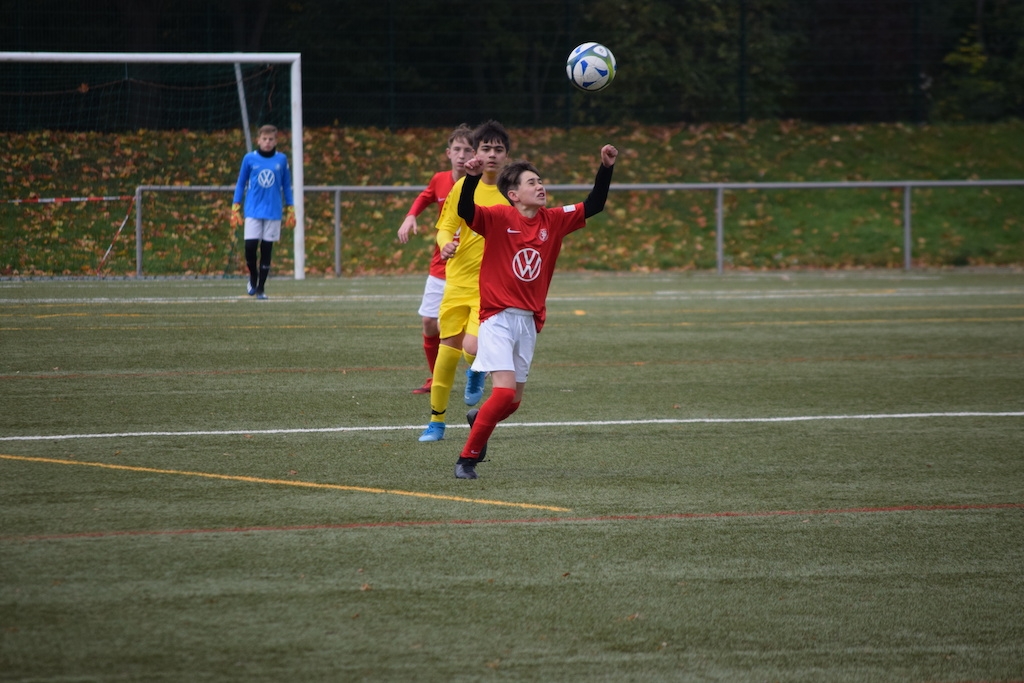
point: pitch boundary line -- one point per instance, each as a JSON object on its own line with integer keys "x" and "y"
{"x": 663, "y": 294}
{"x": 680, "y": 516}
{"x": 283, "y": 482}
{"x": 514, "y": 425}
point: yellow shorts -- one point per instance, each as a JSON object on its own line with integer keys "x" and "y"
{"x": 460, "y": 311}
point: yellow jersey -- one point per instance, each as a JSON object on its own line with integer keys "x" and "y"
{"x": 463, "y": 269}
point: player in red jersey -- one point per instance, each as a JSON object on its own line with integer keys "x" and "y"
{"x": 459, "y": 150}
{"x": 521, "y": 246}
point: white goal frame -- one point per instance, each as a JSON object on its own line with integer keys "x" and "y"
{"x": 293, "y": 59}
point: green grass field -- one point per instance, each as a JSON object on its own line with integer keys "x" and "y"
{"x": 805, "y": 476}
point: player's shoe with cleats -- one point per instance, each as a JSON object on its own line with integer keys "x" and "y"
{"x": 471, "y": 418}
{"x": 249, "y": 289}
{"x": 465, "y": 469}
{"x": 474, "y": 386}
{"x": 433, "y": 432}
{"x": 425, "y": 389}
{"x": 262, "y": 296}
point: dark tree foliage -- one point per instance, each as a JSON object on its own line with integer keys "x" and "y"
{"x": 401, "y": 63}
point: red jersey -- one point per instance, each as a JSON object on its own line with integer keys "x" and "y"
{"x": 436, "y": 191}
{"x": 520, "y": 255}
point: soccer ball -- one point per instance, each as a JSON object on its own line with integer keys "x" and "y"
{"x": 590, "y": 67}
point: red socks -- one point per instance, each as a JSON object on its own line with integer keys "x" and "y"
{"x": 513, "y": 407}
{"x": 430, "y": 345}
{"x": 498, "y": 406}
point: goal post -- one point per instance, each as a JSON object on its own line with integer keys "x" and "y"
{"x": 293, "y": 60}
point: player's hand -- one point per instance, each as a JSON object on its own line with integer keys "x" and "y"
{"x": 236, "y": 216}
{"x": 408, "y": 226}
{"x": 289, "y": 217}
{"x": 448, "y": 250}
{"x": 608, "y": 155}
{"x": 474, "y": 166}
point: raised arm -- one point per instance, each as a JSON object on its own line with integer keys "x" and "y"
{"x": 594, "y": 203}
{"x": 467, "y": 207}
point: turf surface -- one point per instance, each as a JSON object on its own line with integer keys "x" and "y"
{"x": 796, "y": 477}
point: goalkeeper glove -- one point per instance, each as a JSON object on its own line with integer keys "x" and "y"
{"x": 289, "y": 217}
{"x": 236, "y": 215}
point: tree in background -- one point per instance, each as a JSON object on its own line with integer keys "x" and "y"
{"x": 982, "y": 78}
{"x": 404, "y": 63}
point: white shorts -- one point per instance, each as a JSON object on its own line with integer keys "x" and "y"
{"x": 433, "y": 292}
{"x": 507, "y": 340}
{"x": 262, "y": 229}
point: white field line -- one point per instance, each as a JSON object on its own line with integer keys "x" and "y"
{"x": 515, "y": 425}
{"x": 664, "y": 295}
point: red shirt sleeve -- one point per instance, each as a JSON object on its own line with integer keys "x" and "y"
{"x": 436, "y": 191}
{"x": 425, "y": 198}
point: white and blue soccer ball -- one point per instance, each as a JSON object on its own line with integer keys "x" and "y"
{"x": 590, "y": 67}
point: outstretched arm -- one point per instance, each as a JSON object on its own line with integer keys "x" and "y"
{"x": 467, "y": 208}
{"x": 594, "y": 203}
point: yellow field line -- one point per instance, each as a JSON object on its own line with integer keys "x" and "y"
{"x": 285, "y": 482}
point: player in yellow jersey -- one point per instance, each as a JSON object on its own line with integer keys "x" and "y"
{"x": 462, "y": 249}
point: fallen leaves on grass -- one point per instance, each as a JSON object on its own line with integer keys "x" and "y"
{"x": 640, "y": 231}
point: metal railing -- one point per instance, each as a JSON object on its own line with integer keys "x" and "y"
{"x": 718, "y": 188}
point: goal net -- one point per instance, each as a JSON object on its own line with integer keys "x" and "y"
{"x": 81, "y": 131}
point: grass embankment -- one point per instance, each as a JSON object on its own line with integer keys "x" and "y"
{"x": 643, "y": 230}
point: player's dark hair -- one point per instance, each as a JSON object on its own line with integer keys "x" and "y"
{"x": 508, "y": 179}
{"x": 461, "y": 131}
{"x": 491, "y": 131}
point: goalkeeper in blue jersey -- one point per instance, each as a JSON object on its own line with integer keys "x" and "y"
{"x": 266, "y": 184}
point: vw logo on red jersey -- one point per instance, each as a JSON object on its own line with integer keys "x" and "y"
{"x": 526, "y": 264}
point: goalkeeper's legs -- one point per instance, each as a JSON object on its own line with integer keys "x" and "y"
{"x": 266, "y": 250}
{"x": 251, "y": 247}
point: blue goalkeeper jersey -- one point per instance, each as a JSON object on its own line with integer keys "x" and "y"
{"x": 264, "y": 182}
